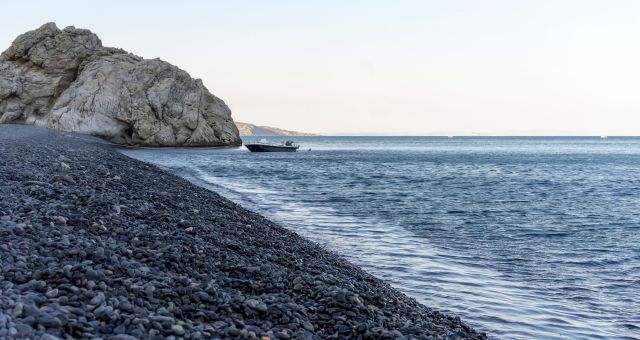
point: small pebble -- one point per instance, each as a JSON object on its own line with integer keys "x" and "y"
{"x": 52, "y": 293}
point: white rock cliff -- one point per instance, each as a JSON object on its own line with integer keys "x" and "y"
{"x": 66, "y": 80}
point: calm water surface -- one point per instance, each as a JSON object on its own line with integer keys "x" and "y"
{"x": 521, "y": 237}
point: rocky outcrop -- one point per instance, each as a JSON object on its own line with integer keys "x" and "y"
{"x": 66, "y": 80}
{"x": 247, "y": 129}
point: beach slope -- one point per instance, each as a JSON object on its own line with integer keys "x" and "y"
{"x": 96, "y": 244}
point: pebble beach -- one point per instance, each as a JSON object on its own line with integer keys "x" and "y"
{"x": 95, "y": 244}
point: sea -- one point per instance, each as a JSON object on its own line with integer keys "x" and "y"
{"x": 521, "y": 237}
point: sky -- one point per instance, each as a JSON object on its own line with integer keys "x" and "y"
{"x": 562, "y": 67}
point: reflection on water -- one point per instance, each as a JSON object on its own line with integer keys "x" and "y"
{"x": 521, "y": 237}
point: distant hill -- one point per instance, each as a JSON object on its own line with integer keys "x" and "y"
{"x": 247, "y": 129}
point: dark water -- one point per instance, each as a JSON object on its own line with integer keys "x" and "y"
{"x": 520, "y": 237}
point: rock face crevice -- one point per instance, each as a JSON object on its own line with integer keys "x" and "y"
{"x": 66, "y": 80}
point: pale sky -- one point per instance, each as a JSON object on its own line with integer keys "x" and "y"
{"x": 386, "y": 67}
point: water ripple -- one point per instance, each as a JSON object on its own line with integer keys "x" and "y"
{"x": 521, "y": 237}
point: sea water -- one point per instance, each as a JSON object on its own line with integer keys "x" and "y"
{"x": 526, "y": 238}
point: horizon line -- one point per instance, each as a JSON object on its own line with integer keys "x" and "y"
{"x": 448, "y": 136}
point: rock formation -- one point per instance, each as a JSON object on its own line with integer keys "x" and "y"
{"x": 66, "y": 80}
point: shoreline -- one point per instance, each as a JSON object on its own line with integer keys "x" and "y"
{"x": 98, "y": 244}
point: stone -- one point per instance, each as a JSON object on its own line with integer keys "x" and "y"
{"x": 18, "y": 308}
{"x": 163, "y": 320}
{"x": 257, "y": 305}
{"x": 233, "y": 332}
{"x": 39, "y": 286}
{"x": 122, "y": 337}
{"x": 24, "y": 330}
{"x": 49, "y": 321}
{"x": 66, "y": 80}
{"x": 177, "y": 330}
{"x": 140, "y": 321}
{"x": 13, "y": 331}
{"x": 282, "y": 335}
{"x": 93, "y": 275}
{"x": 355, "y": 299}
{"x": 125, "y": 306}
{"x": 308, "y": 326}
{"x": 64, "y": 179}
{"x": 49, "y": 337}
{"x": 103, "y": 312}
{"x": 98, "y": 299}
{"x": 30, "y": 310}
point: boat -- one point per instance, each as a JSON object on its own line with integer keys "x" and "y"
{"x": 264, "y": 146}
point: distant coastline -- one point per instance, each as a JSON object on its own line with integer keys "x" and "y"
{"x": 247, "y": 129}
